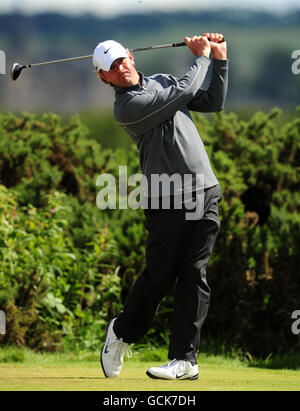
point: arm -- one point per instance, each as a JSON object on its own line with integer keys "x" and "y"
{"x": 152, "y": 108}
{"x": 142, "y": 111}
{"x": 213, "y": 99}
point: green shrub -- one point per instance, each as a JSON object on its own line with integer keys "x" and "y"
{"x": 49, "y": 289}
{"x": 254, "y": 272}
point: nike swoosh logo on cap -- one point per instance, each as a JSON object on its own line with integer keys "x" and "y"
{"x": 107, "y": 50}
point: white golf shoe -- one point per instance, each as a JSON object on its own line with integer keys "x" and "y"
{"x": 174, "y": 370}
{"x": 112, "y": 353}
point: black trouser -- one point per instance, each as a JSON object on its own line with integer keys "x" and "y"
{"x": 177, "y": 249}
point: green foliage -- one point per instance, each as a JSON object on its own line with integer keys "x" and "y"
{"x": 254, "y": 272}
{"x": 49, "y": 289}
{"x": 66, "y": 267}
{"x": 105, "y": 130}
{"x": 40, "y": 155}
{"x": 12, "y": 355}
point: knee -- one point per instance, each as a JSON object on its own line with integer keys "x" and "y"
{"x": 161, "y": 284}
{"x": 196, "y": 279}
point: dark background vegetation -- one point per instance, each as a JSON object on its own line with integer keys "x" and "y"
{"x": 66, "y": 267}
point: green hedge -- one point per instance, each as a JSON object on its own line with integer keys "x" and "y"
{"x": 66, "y": 267}
{"x": 255, "y": 269}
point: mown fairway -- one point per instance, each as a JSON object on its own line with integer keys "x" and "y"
{"x": 215, "y": 374}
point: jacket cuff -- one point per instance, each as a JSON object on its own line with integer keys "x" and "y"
{"x": 220, "y": 63}
{"x": 203, "y": 59}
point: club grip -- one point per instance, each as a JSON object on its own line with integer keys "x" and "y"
{"x": 178, "y": 44}
{"x": 183, "y": 43}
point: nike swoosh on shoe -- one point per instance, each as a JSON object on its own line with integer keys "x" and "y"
{"x": 180, "y": 376}
{"x": 105, "y": 349}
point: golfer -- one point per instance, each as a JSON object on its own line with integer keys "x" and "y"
{"x": 155, "y": 112}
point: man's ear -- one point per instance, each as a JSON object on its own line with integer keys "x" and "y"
{"x": 130, "y": 56}
{"x": 100, "y": 75}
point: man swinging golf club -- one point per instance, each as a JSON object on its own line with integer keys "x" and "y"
{"x": 155, "y": 112}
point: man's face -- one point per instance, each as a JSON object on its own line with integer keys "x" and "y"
{"x": 122, "y": 73}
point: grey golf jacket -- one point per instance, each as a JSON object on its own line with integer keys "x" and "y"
{"x": 156, "y": 116}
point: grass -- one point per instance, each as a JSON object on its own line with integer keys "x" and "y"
{"x": 25, "y": 370}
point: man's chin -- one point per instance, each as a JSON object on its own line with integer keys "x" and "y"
{"x": 125, "y": 84}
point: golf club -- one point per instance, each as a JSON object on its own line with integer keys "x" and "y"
{"x": 17, "y": 68}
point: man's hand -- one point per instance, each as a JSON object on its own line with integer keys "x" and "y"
{"x": 199, "y": 45}
{"x": 218, "y": 49}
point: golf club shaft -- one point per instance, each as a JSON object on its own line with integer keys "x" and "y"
{"x": 161, "y": 46}
{"x": 91, "y": 55}
{"x": 57, "y": 61}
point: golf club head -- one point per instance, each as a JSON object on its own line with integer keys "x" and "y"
{"x": 15, "y": 71}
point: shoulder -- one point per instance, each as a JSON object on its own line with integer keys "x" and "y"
{"x": 164, "y": 80}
